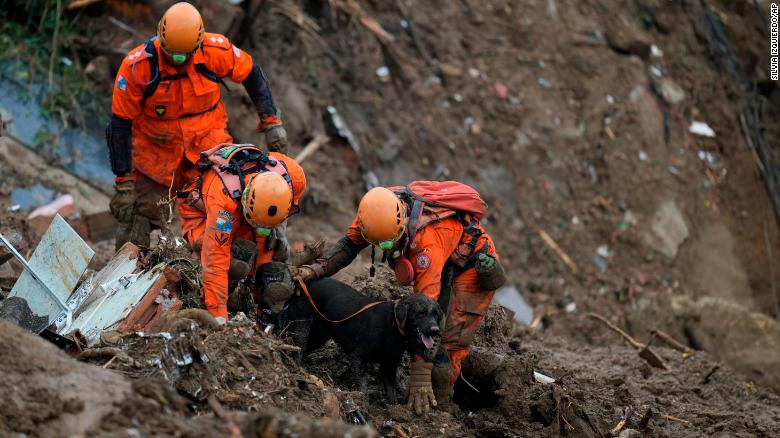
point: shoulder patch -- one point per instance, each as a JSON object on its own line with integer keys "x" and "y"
{"x": 224, "y": 222}
{"x": 216, "y": 40}
{"x": 423, "y": 261}
{"x": 121, "y": 83}
{"x": 137, "y": 54}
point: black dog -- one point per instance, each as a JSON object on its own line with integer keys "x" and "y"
{"x": 379, "y": 334}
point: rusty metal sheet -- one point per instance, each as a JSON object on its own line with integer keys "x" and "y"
{"x": 58, "y": 262}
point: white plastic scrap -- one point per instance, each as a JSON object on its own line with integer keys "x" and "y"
{"x": 541, "y": 378}
{"x": 383, "y": 71}
{"x": 701, "y": 128}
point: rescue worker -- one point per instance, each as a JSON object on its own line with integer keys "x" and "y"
{"x": 447, "y": 256}
{"x": 166, "y": 109}
{"x": 234, "y": 215}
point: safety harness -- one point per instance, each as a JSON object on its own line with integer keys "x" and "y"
{"x": 424, "y": 212}
{"x": 156, "y": 78}
{"x": 232, "y": 163}
{"x": 306, "y": 292}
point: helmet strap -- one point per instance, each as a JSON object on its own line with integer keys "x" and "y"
{"x": 372, "y": 269}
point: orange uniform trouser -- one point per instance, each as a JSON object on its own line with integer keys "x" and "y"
{"x": 467, "y": 309}
{"x": 149, "y": 185}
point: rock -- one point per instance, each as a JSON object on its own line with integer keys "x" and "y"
{"x": 668, "y": 230}
{"x": 450, "y": 69}
{"x": 626, "y": 38}
{"x": 671, "y": 92}
{"x": 748, "y": 341}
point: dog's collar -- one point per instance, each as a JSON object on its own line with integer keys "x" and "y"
{"x": 395, "y": 317}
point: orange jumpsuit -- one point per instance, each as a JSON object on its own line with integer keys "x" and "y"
{"x": 184, "y": 116}
{"x": 430, "y": 250}
{"x": 215, "y": 229}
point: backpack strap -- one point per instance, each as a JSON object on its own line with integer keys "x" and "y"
{"x": 210, "y": 75}
{"x": 154, "y": 70}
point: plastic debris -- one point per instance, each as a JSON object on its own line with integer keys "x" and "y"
{"x": 701, "y": 128}
{"x": 642, "y": 156}
{"x": 610, "y": 99}
{"x": 541, "y": 378}
{"x": 601, "y": 257}
{"x": 501, "y": 90}
{"x": 656, "y": 52}
{"x": 571, "y": 307}
{"x": 544, "y": 82}
{"x": 383, "y": 72}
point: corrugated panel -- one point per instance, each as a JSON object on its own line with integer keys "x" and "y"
{"x": 113, "y": 300}
{"x": 59, "y": 261}
{"x": 124, "y": 262}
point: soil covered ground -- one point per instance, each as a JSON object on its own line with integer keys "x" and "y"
{"x": 573, "y": 119}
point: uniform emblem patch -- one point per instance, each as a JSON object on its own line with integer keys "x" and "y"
{"x": 224, "y": 222}
{"x": 423, "y": 261}
{"x": 121, "y": 83}
{"x": 160, "y": 110}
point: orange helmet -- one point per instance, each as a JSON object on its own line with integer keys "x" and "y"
{"x": 180, "y": 30}
{"x": 266, "y": 201}
{"x": 381, "y": 217}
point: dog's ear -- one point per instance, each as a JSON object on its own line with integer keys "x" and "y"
{"x": 401, "y": 312}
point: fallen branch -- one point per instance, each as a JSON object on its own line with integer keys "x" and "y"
{"x": 563, "y": 256}
{"x": 672, "y": 418}
{"x": 220, "y": 412}
{"x": 646, "y": 353}
{"x": 634, "y": 343}
{"x": 107, "y": 351}
{"x": 353, "y": 8}
{"x": 628, "y": 412}
{"x": 677, "y": 345}
{"x": 312, "y": 147}
{"x": 709, "y": 374}
{"x": 78, "y": 4}
{"x": 126, "y": 27}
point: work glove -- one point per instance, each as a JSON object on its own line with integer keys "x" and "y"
{"x": 277, "y": 242}
{"x": 308, "y": 272}
{"x": 122, "y": 202}
{"x": 421, "y": 397}
{"x": 276, "y": 139}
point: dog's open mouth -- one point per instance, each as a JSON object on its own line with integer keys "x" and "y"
{"x": 427, "y": 341}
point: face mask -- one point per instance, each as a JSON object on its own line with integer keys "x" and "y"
{"x": 179, "y": 58}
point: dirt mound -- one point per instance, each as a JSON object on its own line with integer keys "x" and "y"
{"x": 47, "y": 393}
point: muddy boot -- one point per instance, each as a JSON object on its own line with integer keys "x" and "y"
{"x": 442, "y": 389}
{"x": 122, "y": 235}
{"x": 140, "y": 231}
{"x": 137, "y": 231}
